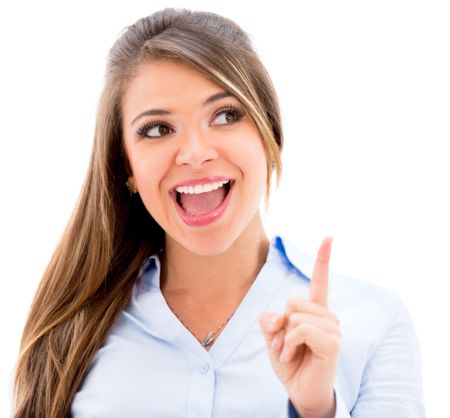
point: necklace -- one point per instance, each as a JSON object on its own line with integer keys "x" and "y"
{"x": 210, "y": 337}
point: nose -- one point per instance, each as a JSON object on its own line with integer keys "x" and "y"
{"x": 195, "y": 148}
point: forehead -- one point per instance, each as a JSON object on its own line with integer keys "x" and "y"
{"x": 165, "y": 82}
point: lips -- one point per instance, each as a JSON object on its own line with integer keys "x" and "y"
{"x": 204, "y": 218}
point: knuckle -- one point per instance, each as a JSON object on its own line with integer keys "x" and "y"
{"x": 296, "y": 318}
{"x": 298, "y": 332}
{"x": 334, "y": 318}
{"x": 303, "y": 328}
{"x": 335, "y": 343}
{"x": 333, "y": 329}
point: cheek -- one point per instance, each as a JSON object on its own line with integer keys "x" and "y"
{"x": 148, "y": 169}
{"x": 252, "y": 160}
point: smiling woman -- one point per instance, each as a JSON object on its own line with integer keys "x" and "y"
{"x": 165, "y": 297}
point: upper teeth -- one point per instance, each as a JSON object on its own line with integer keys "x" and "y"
{"x": 201, "y": 188}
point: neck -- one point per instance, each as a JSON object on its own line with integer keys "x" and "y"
{"x": 227, "y": 275}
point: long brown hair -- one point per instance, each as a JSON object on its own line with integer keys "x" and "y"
{"x": 110, "y": 234}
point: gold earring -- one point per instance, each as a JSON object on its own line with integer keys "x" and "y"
{"x": 131, "y": 187}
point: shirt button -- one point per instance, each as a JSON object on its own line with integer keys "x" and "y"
{"x": 204, "y": 368}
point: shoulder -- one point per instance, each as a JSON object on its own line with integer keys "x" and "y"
{"x": 364, "y": 295}
{"x": 363, "y": 303}
{"x": 372, "y": 318}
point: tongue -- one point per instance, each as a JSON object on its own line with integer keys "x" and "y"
{"x": 198, "y": 204}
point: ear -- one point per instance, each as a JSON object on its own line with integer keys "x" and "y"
{"x": 131, "y": 185}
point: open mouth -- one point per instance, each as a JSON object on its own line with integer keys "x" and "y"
{"x": 203, "y": 208}
{"x": 205, "y": 196}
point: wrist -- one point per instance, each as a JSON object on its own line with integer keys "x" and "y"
{"x": 329, "y": 414}
{"x": 325, "y": 412}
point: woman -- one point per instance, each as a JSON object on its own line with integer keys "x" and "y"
{"x": 165, "y": 296}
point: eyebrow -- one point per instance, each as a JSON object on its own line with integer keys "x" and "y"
{"x": 209, "y": 100}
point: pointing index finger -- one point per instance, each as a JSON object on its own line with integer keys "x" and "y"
{"x": 319, "y": 283}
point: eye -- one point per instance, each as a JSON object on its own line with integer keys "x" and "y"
{"x": 229, "y": 115}
{"x": 155, "y": 129}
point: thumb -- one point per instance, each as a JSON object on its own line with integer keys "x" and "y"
{"x": 271, "y": 323}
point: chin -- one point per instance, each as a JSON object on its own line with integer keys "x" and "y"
{"x": 208, "y": 244}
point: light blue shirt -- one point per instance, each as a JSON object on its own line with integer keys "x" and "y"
{"x": 152, "y": 366}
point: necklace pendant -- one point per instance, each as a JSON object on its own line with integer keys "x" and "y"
{"x": 208, "y": 339}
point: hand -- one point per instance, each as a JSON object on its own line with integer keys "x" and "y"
{"x": 304, "y": 344}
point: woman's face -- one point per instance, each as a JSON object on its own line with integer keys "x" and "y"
{"x": 176, "y": 129}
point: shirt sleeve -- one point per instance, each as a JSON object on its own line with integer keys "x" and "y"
{"x": 341, "y": 409}
{"x": 391, "y": 385}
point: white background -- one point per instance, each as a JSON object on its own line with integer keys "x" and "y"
{"x": 365, "y": 94}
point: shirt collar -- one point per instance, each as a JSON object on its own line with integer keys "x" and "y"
{"x": 280, "y": 248}
{"x": 298, "y": 260}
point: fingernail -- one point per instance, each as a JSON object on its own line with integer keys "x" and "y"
{"x": 276, "y": 341}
